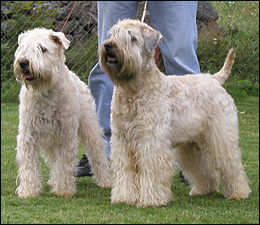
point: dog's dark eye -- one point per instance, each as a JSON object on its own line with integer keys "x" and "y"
{"x": 43, "y": 49}
{"x": 133, "y": 38}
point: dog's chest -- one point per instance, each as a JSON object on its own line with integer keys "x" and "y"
{"x": 137, "y": 113}
{"x": 125, "y": 108}
{"x": 44, "y": 115}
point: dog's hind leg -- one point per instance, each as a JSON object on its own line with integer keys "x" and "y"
{"x": 198, "y": 168}
{"x": 224, "y": 142}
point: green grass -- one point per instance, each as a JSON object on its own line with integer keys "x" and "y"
{"x": 92, "y": 204}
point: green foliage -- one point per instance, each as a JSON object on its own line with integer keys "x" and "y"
{"x": 92, "y": 204}
{"x": 20, "y": 9}
{"x": 242, "y": 88}
{"x": 81, "y": 59}
{"x": 239, "y": 19}
{"x": 18, "y": 19}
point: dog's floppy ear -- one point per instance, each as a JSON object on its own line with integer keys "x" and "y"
{"x": 20, "y": 37}
{"x": 59, "y": 38}
{"x": 151, "y": 39}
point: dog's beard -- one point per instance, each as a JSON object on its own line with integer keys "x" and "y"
{"x": 119, "y": 67}
{"x": 33, "y": 77}
{"x": 24, "y": 74}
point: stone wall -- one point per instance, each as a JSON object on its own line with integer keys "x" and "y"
{"x": 83, "y": 20}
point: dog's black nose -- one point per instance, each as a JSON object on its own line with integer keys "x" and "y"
{"x": 108, "y": 46}
{"x": 24, "y": 63}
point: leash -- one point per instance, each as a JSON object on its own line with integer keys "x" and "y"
{"x": 144, "y": 12}
{"x": 68, "y": 16}
{"x": 157, "y": 50}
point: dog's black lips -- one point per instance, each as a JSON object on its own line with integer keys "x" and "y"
{"x": 27, "y": 75}
{"x": 111, "y": 58}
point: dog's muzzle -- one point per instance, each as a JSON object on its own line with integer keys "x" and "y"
{"x": 24, "y": 65}
{"x": 109, "y": 53}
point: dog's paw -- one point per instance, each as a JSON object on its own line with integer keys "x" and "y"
{"x": 239, "y": 197}
{"x": 65, "y": 194}
{"x": 127, "y": 201}
{"x": 197, "y": 191}
{"x": 104, "y": 184}
{"x": 28, "y": 195}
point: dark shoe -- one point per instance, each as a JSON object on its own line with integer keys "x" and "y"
{"x": 83, "y": 169}
{"x": 184, "y": 179}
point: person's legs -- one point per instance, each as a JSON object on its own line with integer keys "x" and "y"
{"x": 176, "y": 20}
{"x": 101, "y": 87}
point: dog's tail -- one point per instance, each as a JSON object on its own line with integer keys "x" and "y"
{"x": 223, "y": 74}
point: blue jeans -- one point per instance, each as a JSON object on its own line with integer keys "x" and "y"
{"x": 176, "y": 20}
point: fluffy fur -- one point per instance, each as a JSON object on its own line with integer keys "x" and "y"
{"x": 157, "y": 120}
{"x": 56, "y": 111}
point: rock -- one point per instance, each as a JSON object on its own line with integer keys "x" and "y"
{"x": 83, "y": 20}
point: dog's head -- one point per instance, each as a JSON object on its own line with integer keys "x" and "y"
{"x": 129, "y": 49}
{"x": 39, "y": 56}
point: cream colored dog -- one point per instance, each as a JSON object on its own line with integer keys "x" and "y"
{"x": 56, "y": 111}
{"x": 158, "y": 119}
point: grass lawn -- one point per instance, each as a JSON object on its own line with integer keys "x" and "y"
{"x": 92, "y": 204}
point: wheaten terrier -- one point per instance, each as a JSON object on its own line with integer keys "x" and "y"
{"x": 153, "y": 114}
{"x": 56, "y": 111}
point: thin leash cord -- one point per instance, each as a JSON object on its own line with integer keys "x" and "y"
{"x": 68, "y": 16}
{"x": 144, "y": 12}
{"x": 157, "y": 50}
{"x": 142, "y": 20}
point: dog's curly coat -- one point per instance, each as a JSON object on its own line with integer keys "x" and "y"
{"x": 56, "y": 111}
{"x": 158, "y": 119}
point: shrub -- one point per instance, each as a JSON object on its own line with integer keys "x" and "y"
{"x": 242, "y": 88}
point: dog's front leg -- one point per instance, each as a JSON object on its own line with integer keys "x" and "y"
{"x": 28, "y": 173}
{"x": 62, "y": 178}
{"x": 124, "y": 187}
{"x": 155, "y": 173}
